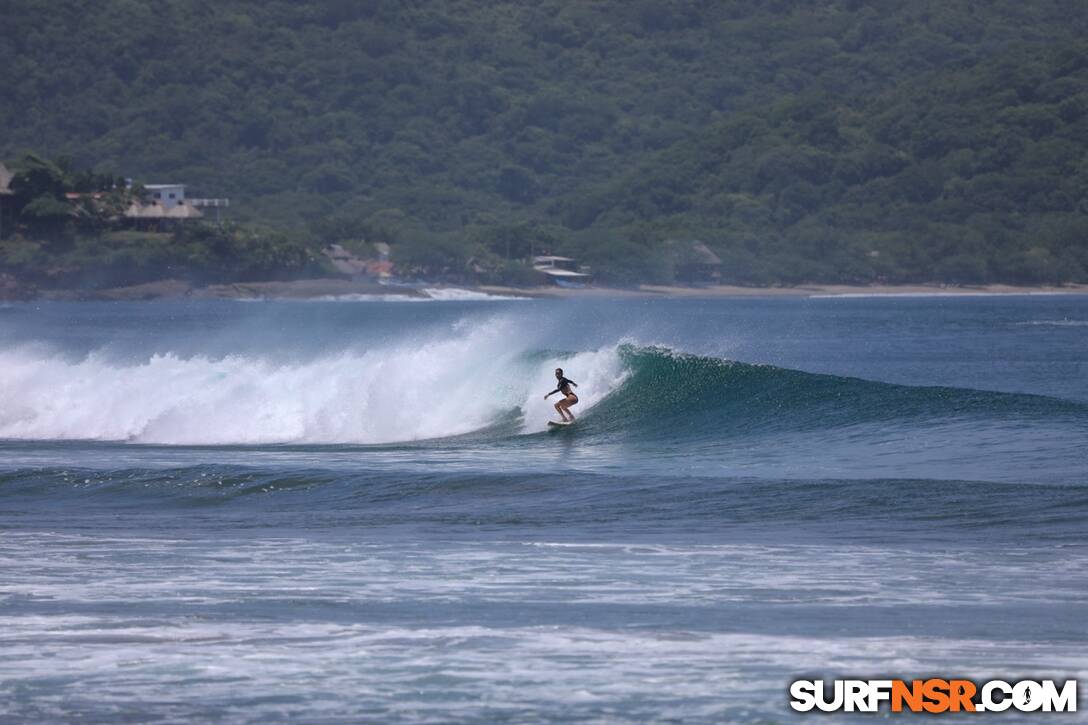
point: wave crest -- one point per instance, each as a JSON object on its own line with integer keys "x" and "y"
{"x": 416, "y": 389}
{"x": 484, "y": 379}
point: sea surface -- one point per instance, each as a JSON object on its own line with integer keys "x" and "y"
{"x": 353, "y": 510}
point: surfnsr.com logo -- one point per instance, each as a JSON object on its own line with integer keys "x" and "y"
{"x": 933, "y": 696}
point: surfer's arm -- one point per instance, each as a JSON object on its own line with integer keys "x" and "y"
{"x": 551, "y": 394}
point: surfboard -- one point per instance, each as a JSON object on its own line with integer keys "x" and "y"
{"x": 560, "y": 424}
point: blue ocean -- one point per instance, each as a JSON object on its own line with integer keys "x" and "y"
{"x": 354, "y": 510}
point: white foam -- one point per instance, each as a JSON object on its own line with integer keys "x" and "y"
{"x": 363, "y": 298}
{"x": 417, "y": 388}
{"x": 427, "y": 294}
{"x": 541, "y": 627}
{"x": 454, "y": 294}
{"x": 1052, "y": 323}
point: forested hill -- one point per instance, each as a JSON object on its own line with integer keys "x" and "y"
{"x": 829, "y": 140}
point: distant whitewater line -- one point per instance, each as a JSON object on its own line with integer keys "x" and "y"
{"x": 1052, "y": 323}
{"x": 428, "y": 294}
{"x": 454, "y": 294}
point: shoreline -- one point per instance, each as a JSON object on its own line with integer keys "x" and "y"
{"x": 815, "y": 291}
{"x": 341, "y": 289}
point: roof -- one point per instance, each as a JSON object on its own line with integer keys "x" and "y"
{"x": 5, "y": 180}
{"x": 164, "y": 186}
{"x": 549, "y": 258}
{"x": 156, "y": 211}
{"x": 556, "y": 272}
{"x": 379, "y": 268}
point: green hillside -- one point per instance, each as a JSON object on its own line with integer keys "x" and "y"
{"x": 822, "y": 140}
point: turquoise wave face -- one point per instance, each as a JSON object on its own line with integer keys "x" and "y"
{"x": 679, "y": 395}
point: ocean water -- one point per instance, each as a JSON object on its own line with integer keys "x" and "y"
{"x": 353, "y": 509}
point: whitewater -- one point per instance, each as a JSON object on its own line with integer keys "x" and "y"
{"x": 409, "y": 390}
{"x": 353, "y": 508}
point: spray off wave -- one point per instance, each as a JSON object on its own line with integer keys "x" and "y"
{"x": 404, "y": 391}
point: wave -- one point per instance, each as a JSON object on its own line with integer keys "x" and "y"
{"x": 1052, "y": 323}
{"x": 697, "y": 396}
{"x": 436, "y": 386}
{"x": 425, "y": 294}
{"x": 454, "y": 294}
{"x": 483, "y": 379}
{"x": 853, "y": 508}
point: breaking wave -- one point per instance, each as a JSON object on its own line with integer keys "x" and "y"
{"x": 482, "y": 380}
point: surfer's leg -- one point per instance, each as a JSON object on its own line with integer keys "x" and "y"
{"x": 559, "y": 409}
{"x": 567, "y": 402}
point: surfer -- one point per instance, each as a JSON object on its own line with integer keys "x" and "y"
{"x": 569, "y": 398}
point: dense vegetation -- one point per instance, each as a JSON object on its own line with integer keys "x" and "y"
{"x": 84, "y": 241}
{"x": 830, "y": 140}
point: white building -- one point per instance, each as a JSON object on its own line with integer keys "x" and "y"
{"x": 167, "y": 195}
{"x": 557, "y": 269}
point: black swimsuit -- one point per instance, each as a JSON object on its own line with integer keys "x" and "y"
{"x": 564, "y": 387}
